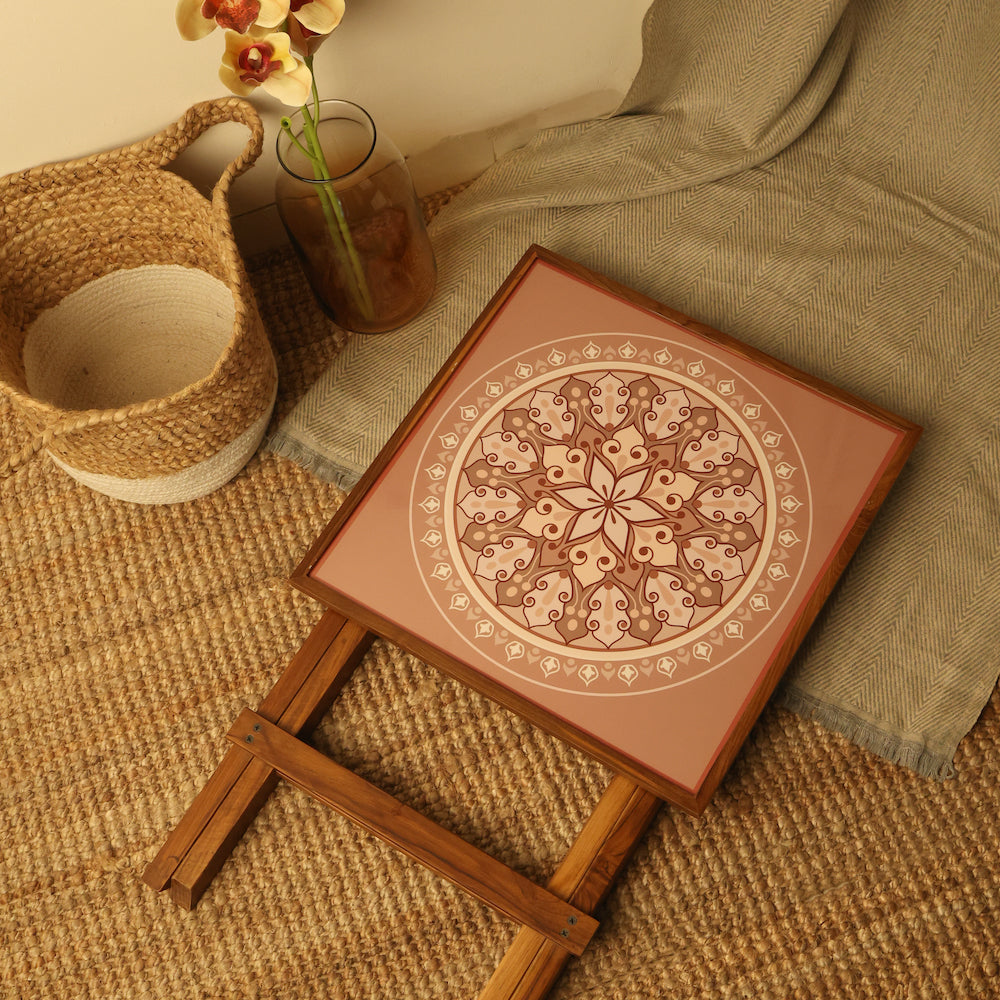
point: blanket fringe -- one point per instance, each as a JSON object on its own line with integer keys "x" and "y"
{"x": 312, "y": 461}
{"x": 866, "y": 734}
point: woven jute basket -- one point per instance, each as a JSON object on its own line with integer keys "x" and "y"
{"x": 130, "y": 342}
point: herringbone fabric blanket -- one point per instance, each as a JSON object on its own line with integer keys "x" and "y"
{"x": 822, "y": 180}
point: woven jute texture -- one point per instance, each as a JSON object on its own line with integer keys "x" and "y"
{"x": 130, "y": 637}
{"x": 64, "y": 225}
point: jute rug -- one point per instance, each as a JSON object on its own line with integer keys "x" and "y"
{"x": 131, "y": 636}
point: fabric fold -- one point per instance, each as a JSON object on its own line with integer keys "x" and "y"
{"x": 694, "y": 114}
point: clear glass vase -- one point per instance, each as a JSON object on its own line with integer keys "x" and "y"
{"x": 354, "y": 219}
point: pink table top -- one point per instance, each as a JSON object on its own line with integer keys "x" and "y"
{"x": 613, "y": 517}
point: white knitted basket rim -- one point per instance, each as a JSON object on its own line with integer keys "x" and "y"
{"x": 149, "y": 332}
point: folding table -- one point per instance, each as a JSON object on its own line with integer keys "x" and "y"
{"x": 610, "y": 519}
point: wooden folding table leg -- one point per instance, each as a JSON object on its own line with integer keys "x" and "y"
{"x": 205, "y": 836}
{"x": 533, "y": 963}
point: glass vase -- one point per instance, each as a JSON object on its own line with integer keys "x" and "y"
{"x": 354, "y": 219}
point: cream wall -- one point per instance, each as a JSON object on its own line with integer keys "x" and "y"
{"x": 454, "y": 82}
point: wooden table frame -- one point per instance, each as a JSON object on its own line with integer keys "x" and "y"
{"x": 368, "y": 611}
{"x": 268, "y": 744}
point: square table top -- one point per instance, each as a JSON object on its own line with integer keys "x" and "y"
{"x": 614, "y": 521}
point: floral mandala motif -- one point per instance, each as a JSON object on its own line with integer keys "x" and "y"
{"x": 609, "y": 510}
{"x": 605, "y": 516}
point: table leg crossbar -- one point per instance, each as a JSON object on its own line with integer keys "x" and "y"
{"x": 268, "y": 745}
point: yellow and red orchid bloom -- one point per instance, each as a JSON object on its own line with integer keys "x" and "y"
{"x": 265, "y": 60}
{"x": 311, "y": 21}
{"x": 317, "y": 16}
{"x": 197, "y": 18}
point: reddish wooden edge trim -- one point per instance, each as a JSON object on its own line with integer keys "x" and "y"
{"x": 447, "y": 855}
{"x": 692, "y": 801}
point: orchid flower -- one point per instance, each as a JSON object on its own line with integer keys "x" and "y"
{"x": 198, "y": 18}
{"x": 310, "y": 23}
{"x": 265, "y": 60}
{"x": 319, "y": 17}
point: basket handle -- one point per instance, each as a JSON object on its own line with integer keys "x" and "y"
{"x": 164, "y": 147}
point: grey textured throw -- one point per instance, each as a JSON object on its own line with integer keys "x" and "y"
{"x": 821, "y": 179}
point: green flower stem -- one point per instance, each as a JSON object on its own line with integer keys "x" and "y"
{"x": 332, "y": 209}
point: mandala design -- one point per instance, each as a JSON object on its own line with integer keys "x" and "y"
{"x": 609, "y": 510}
{"x": 600, "y": 519}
